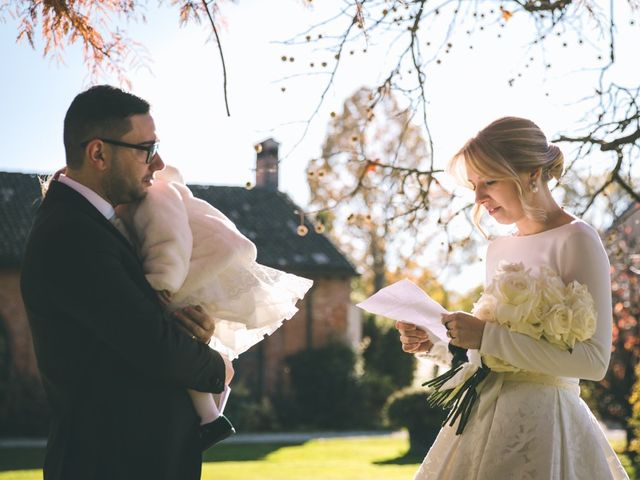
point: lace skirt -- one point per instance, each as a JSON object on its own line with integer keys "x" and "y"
{"x": 535, "y": 428}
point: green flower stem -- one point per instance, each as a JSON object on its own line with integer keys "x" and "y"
{"x": 460, "y": 402}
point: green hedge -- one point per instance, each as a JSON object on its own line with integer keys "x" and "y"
{"x": 409, "y": 409}
{"x": 328, "y": 393}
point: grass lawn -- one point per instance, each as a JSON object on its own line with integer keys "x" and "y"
{"x": 334, "y": 459}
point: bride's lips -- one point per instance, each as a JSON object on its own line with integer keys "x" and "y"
{"x": 492, "y": 210}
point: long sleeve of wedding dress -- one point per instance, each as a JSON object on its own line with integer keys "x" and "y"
{"x": 578, "y": 255}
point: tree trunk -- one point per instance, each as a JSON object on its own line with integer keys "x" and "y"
{"x": 379, "y": 266}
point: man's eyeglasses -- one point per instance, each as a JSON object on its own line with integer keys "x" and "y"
{"x": 151, "y": 149}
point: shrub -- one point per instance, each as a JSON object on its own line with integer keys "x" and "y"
{"x": 383, "y": 354}
{"x": 409, "y": 408}
{"x": 326, "y": 393}
{"x": 375, "y": 390}
{"x": 633, "y": 422}
{"x": 249, "y": 413}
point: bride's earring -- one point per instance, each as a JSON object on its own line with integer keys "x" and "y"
{"x": 534, "y": 187}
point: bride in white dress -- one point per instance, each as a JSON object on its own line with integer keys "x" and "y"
{"x": 533, "y": 424}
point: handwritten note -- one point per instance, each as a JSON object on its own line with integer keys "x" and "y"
{"x": 407, "y": 302}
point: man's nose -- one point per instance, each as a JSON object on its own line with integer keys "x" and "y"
{"x": 157, "y": 163}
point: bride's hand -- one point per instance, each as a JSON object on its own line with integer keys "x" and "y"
{"x": 464, "y": 329}
{"x": 414, "y": 339}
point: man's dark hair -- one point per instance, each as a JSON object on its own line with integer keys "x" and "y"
{"x": 101, "y": 111}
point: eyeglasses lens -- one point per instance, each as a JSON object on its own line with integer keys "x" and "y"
{"x": 153, "y": 150}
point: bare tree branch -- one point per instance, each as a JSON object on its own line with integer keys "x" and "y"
{"x": 224, "y": 67}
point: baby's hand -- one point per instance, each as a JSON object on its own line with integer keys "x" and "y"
{"x": 165, "y": 297}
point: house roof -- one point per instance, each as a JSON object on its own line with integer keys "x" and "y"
{"x": 19, "y": 200}
{"x": 265, "y": 216}
{"x": 269, "y": 219}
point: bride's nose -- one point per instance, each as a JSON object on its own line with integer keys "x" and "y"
{"x": 481, "y": 194}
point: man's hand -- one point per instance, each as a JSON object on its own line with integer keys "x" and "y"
{"x": 196, "y": 322}
{"x": 414, "y": 339}
{"x": 192, "y": 319}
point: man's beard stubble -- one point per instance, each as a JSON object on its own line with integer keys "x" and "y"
{"x": 120, "y": 188}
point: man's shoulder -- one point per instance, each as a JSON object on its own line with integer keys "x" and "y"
{"x": 60, "y": 216}
{"x": 62, "y": 225}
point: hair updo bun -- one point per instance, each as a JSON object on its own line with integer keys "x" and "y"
{"x": 505, "y": 149}
{"x": 555, "y": 162}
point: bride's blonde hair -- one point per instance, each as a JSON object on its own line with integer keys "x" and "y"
{"x": 502, "y": 150}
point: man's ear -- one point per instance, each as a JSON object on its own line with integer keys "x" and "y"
{"x": 97, "y": 155}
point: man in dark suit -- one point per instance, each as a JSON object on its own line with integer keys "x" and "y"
{"x": 115, "y": 365}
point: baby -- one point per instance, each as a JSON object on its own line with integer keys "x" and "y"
{"x": 193, "y": 254}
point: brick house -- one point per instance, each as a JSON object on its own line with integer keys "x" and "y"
{"x": 265, "y": 215}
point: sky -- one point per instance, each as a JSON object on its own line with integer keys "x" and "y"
{"x": 184, "y": 85}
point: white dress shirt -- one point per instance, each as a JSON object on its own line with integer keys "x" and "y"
{"x": 104, "y": 207}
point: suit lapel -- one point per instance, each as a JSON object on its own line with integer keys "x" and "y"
{"x": 59, "y": 193}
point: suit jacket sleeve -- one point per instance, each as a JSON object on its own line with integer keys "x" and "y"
{"x": 89, "y": 277}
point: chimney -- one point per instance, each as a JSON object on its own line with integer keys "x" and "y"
{"x": 267, "y": 164}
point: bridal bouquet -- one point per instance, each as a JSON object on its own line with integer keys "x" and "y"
{"x": 540, "y": 306}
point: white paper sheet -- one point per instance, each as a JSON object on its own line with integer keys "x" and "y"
{"x": 407, "y": 302}
{"x": 220, "y": 400}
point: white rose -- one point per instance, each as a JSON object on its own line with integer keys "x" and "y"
{"x": 504, "y": 267}
{"x": 515, "y": 286}
{"x": 485, "y": 308}
{"x": 569, "y": 340}
{"x": 581, "y": 303}
{"x": 538, "y": 311}
{"x": 507, "y": 267}
{"x": 510, "y": 315}
{"x": 551, "y": 286}
{"x": 532, "y": 329}
{"x": 498, "y": 365}
{"x": 557, "y": 324}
